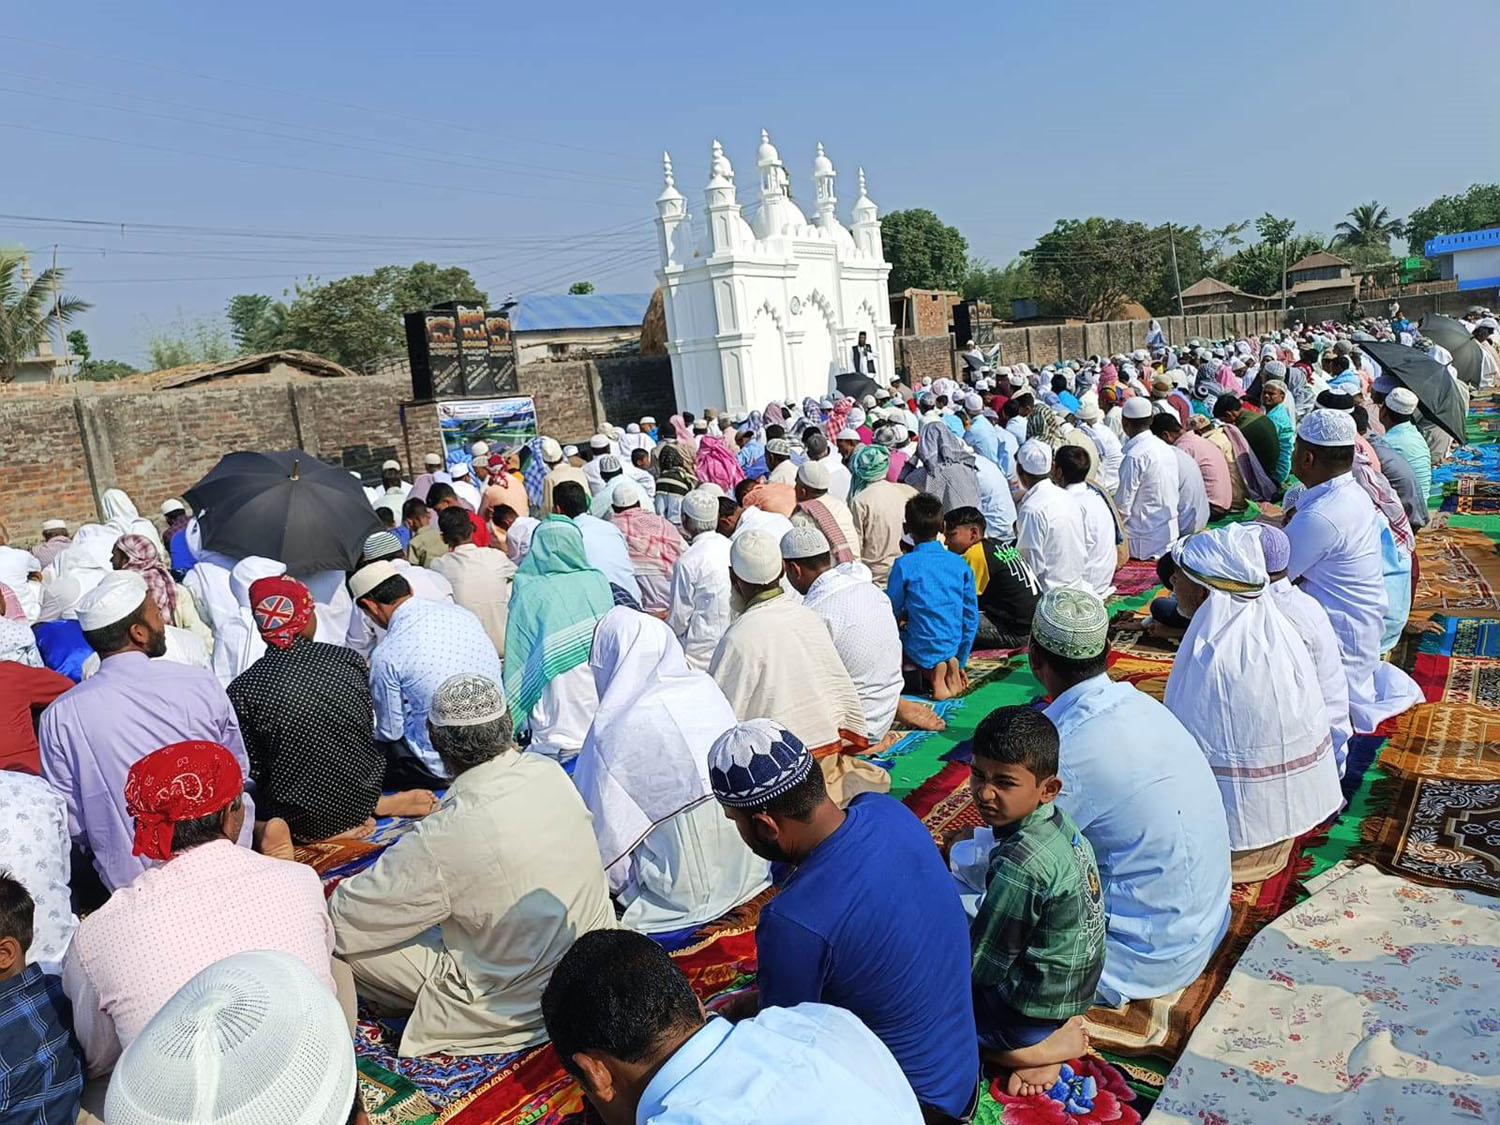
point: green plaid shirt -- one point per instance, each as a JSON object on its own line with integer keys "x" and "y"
{"x": 1039, "y": 936}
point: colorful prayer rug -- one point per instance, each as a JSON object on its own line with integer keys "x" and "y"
{"x": 1460, "y": 571}
{"x": 1134, "y": 578}
{"x": 1435, "y": 830}
{"x": 1147, "y": 672}
{"x": 390, "y": 1099}
{"x": 1451, "y": 740}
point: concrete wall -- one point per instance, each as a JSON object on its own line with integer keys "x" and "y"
{"x": 1413, "y": 305}
{"x": 925, "y": 357}
{"x": 573, "y": 398}
{"x": 1053, "y": 342}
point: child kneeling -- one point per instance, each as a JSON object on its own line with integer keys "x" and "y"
{"x": 1038, "y": 939}
{"x": 932, "y": 593}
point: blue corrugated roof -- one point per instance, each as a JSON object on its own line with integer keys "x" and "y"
{"x": 1466, "y": 240}
{"x": 591, "y": 310}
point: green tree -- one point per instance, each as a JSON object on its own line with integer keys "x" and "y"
{"x": 1257, "y": 267}
{"x": 581, "y": 288}
{"x": 999, "y": 285}
{"x": 1158, "y": 290}
{"x": 353, "y": 319}
{"x": 1217, "y": 242}
{"x": 78, "y": 344}
{"x": 256, "y": 322}
{"x": 1367, "y": 232}
{"x": 103, "y": 370}
{"x": 924, "y": 251}
{"x": 1476, "y": 208}
{"x": 1089, "y": 267}
{"x": 28, "y": 312}
{"x": 188, "y": 340}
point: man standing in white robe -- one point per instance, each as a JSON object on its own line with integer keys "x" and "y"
{"x": 1149, "y": 485}
{"x": 698, "y": 594}
{"x": 1050, "y": 531}
{"x": 1336, "y": 557}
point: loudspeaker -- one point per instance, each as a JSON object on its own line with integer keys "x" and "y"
{"x": 963, "y": 326}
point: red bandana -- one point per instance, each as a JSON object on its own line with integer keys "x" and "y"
{"x": 281, "y": 607}
{"x": 183, "y": 781}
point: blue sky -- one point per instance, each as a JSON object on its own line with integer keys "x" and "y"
{"x": 328, "y": 138}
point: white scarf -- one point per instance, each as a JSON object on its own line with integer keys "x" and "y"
{"x": 645, "y": 758}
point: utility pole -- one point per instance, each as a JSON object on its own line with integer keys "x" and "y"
{"x": 1283, "y": 277}
{"x": 1176, "y": 279}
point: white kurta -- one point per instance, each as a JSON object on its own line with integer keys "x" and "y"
{"x": 1336, "y": 558}
{"x": 1312, "y": 625}
{"x": 1098, "y": 539}
{"x": 1148, "y": 494}
{"x": 859, "y": 620}
{"x": 1051, "y": 537}
{"x": 698, "y": 598}
{"x": 1111, "y": 452}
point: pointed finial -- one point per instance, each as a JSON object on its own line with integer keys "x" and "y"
{"x": 666, "y": 168}
{"x": 820, "y": 148}
{"x": 765, "y": 137}
{"x": 861, "y": 179}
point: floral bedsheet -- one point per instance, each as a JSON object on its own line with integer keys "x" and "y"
{"x": 1376, "y": 1000}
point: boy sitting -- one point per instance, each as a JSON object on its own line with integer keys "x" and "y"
{"x": 41, "y": 1075}
{"x": 932, "y": 591}
{"x": 1007, "y": 587}
{"x": 1038, "y": 940}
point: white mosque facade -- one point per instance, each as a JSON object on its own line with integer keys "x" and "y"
{"x": 770, "y": 307}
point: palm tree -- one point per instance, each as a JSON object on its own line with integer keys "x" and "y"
{"x": 1369, "y": 225}
{"x": 28, "y": 310}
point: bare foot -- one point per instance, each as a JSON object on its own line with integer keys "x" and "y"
{"x": 1031, "y": 1075}
{"x": 918, "y": 716}
{"x": 411, "y": 802}
{"x": 1029, "y": 1081}
{"x": 942, "y": 688}
{"x": 958, "y": 674}
{"x": 358, "y": 832}
{"x": 274, "y": 838}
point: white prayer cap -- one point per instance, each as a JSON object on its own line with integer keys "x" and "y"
{"x": 117, "y": 595}
{"x": 460, "y": 469}
{"x": 255, "y": 1037}
{"x": 1136, "y": 408}
{"x": 552, "y": 452}
{"x": 168, "y": 507}
{"x": 647, "y": 420}
{"x": 1035, "y": 456}
{"x": 702, "y": 507}
{"x": 848, "y": 433}
{"x": 814, "y": 474}
{"x": 712, "y": 489}
{"x": 700, "y": 425}
{"x": 62, "y": 525}
{"x": 366, "y": 578}
{"x": 570, "y": 451}
{"x": 466, "y": 700}
{"x": 868, "y": 402}
{"x": 973, "y": 403}
{"x": 480, "y": 449}
{"x": 756, "y": 557}
{"x": 1486, "y": 322}
{"x": 1071, "y": 623}
{"x": 1088, "y": 409}
{"x": 381, "y": 545}
{"x": 391, "y": 464}
{"x": 779, "y": 446}
{"x": 598, "y": 441}
{"x": 1328, "y": 428}
{"x": 609, "y": 463}
{"x": 633, "y": 428}
{"x": 627, "y": 494}
{"x": 1016, "y": 380}
{"x": 1401, "y": 401}
{"x": 804, "y": 541}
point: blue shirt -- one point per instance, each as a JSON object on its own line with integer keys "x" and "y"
{"x": 996, "y": 503}
{"x": 983, "y": 437}
{"x": 871, "y": 921}
{"x": 426, "y": 643}
{"x": 1016, "y": 427}
{"x": 41, "y": 1072}
{"x": 1009, "y": 447}
{"x": 181, "y": 553}
{"x": 934, "y": 590}
{"x": 795, "y": 1066}
{"x": 62, "y": 646}
{"x": 604, "y": 546}
{"x": 954, "y": 423}
{"x": 1141, "y": 792}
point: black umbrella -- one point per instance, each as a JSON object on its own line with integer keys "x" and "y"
{"x": 1428, "y": 379}
{"x": 286, "y": 505}
{"x": 1451, "y": 334}
{"x": 856, "y": 386}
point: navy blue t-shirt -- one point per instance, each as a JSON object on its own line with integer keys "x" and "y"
{"x": 872, "y": 922}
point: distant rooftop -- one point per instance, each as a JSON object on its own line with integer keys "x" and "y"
{"x": 1319, "y": 259}
{"x": 552, "y": 313}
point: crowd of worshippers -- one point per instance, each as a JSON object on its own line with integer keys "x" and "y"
{"x": 620, "y": 689}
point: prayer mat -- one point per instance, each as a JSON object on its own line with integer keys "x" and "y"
{"x": 1090, "y": 1091}
{"x": 1149, "y": 673}
{"x": 1460, "y": 570}
{"x": 1436, "y": 831}
{"x": 1368, "y": 1002}
{"x": 390, "y": 1099}
{"x": 1134, "y": 579}
{"x": 944, "y": 804}
{"x": 1449, "y": 740}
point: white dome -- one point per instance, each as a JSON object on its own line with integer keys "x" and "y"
{"x": 822, "y": 166}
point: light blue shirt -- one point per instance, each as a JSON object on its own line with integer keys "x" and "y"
{"x": 1407, "y": 440}
{"x": 1141, "y": 791}
{"x": 425, "y": 644}
{"x": 983, "y": 438}
{"x": 1016, "y": 427}
{"x": 807, "y": 1065}
{"x": 995, "y": 501}
{"x": 604, "y": 547}
{"x": 1008, "y": 448}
